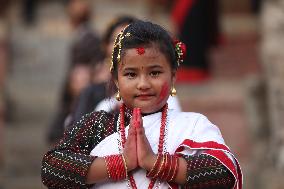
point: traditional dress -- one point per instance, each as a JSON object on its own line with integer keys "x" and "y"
{"x": 190, "y": 135}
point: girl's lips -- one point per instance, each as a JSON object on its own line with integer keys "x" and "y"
{"x": 144, "y": 96}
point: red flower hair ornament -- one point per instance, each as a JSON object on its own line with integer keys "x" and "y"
{"x": 180, "y": 49}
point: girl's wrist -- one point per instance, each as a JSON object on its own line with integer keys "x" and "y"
{"x": 150, "y": 162}
{"x": 129, "y": 165}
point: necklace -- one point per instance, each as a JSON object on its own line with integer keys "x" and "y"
{"x": 160, "y": 145}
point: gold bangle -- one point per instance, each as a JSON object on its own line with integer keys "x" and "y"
{"x": 164, "y": 166}
{"x": 175, "y": 169}
{"x": 161, "y": 165}
{"x": 125, "y": 166}
{"x": 155, "y": 164}
{"x": 170, "y": 166}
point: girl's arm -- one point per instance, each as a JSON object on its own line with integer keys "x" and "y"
{"x": 67, "y": 165}
{"x": 203, "y": 171}
{"x": 200, "y": 172}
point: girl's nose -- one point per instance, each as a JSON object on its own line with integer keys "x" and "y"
{"x": 143, "y": 83}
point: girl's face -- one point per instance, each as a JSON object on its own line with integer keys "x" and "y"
{"x": 145, "y": 79}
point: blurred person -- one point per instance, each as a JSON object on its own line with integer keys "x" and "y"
{"x": 29, "y": 11}
{"x": 197, "y": 25}
{"x": 3, "y": 98}
{"x": 4, "y": 64}
{"x": 85, "y": 52}
{"x": 77, "y": 80}
{"x": 158, "y": 6}
{"x": 256, "y": 6}
{"x": 100, "y": 87}
{"x": 84, "y": 36}
{"x": 93, "y": 93}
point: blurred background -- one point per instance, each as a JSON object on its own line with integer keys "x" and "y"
{"x": 233, "y": 74}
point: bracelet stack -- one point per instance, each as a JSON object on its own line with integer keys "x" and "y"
{"x": 116, "y": 167}
{"x": 165, "y": 167}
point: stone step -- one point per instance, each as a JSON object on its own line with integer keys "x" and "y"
{"x": 238, "y": 57}
{"x": 223, "y": 102}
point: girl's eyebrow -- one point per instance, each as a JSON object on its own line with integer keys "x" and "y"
{"x": 150, "y": 67}
{"x": 130, "y": 69}
{"x": 155, "y": 66}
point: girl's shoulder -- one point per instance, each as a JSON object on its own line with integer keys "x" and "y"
{"x": 102, "y": 116}
{"x": 190, "y": 119}
{"x": 186, "y": 116}
{"x": 196, "y": 125}
{"x": 96, "y": 118}
{"x": 101, "y": 113}
{"x": 93, "y": 125}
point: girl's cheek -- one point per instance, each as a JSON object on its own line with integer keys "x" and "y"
{"x": 164, "y": 92}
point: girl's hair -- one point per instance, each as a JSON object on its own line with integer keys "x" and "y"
{"x": 143, "y": 34}
{"x": 120, "y": 21}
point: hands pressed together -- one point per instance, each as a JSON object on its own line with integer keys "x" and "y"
{"x": 137, "y": 153}
{"x": 137, "y": 149}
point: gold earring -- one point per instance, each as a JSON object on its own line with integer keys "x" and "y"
{"x": 117, "y": 96}
{"x": 173, "y": 92}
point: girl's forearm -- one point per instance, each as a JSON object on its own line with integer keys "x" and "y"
{"x": 97, "y": 172}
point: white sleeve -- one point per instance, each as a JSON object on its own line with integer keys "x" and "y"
{"x": 107, "y": 104}
{"x": 205, "y": 131}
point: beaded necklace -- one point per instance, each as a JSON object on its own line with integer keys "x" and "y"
{"x": 161, "y": 139}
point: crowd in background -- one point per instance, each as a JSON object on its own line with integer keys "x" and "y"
{"x": 86, "y": 83}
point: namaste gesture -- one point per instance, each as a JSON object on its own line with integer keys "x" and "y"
{"x": 137, "y": 151}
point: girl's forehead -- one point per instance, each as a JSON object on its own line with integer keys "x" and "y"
{"x": 150, "y": 57}
{"x": 147, "y": 52}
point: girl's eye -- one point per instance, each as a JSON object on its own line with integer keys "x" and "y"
{"x": 155, "y": 73}
{"x": 130, "y": 75}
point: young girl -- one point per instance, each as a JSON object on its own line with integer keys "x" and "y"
{"x": 146, "y": 145}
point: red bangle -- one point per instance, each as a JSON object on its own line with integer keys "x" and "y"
{"x": 167, "y": 167}
{"x": 175, "y": 170}
{"x": 116, "y": 167}
{"x": 161, "y": 168}
{"x": 152, "y": 172}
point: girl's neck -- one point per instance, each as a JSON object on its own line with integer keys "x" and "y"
{"x": 145, "y": 114}
{"x": 130, "y": 110}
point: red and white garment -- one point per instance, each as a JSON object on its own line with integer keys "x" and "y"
{"x": 186, "y": 134}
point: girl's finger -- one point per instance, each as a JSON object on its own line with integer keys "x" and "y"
{"x": 133, "y": 119}
{"x": 138, "y": 117}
